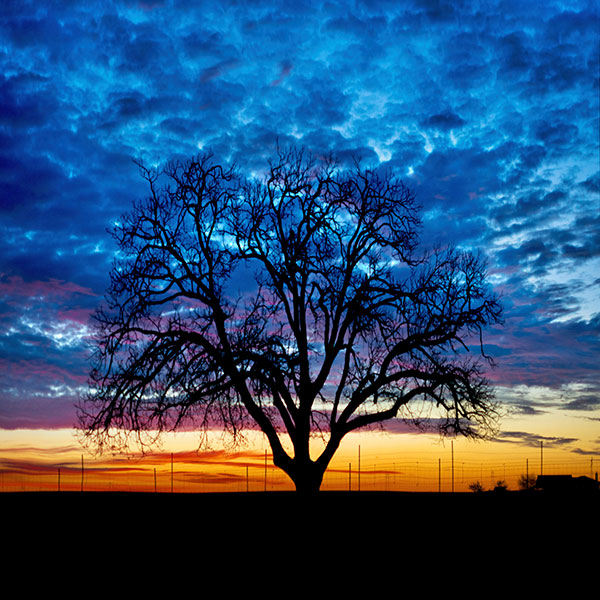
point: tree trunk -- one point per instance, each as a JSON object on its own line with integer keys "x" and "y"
{"x": 308, "y": 483}
{"x": 307, "y": 477}
{"x": 306, "y": 474}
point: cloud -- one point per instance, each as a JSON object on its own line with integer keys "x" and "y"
{"x": 54, "y": 288}
{"x": 445, "y": 121}
{"x": 589, "y": 402}
{"x": 217, "y": 70}
{"x": 490, "y": 114}
{"x": 286, "y": 69}
{"x": 532, "y": 439}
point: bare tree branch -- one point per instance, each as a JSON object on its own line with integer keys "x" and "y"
{"x": 294, "y": 304}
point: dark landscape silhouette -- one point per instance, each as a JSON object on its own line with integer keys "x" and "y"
{"x": 374, "y": 517}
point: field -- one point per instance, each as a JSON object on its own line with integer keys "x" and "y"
{"x": 486, "y": 515}
{"x": 337, "y": 542}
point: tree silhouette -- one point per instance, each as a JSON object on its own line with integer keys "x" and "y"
{"x": 476, "y": 486}
{"x": 526, "y": 482}
{"x": 295, "y": 303}
{"x": 501, "y": 486}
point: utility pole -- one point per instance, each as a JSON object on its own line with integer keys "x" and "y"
{"x": 82, "y": 472}
{"x": 439, "y": 474}
{"x": 359, "y": 467}
{"x": 265, "y": 470}
{"x": 171, "y": 472}
{"x": 452, "y": 448}
{"x": 542, "y": 457}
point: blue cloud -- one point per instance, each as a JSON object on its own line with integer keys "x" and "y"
{"x": 488, "y": 111}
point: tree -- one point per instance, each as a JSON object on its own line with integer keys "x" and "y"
{"x": 526, "y": 482}
{"x": 501, "y": 486}
{"x": 476, "y": 487}
{"x": 341, "y": 326}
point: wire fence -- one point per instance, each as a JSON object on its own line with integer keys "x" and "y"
{"x": 183, "y": 475}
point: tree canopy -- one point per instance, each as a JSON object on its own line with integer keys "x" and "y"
{"x": 297, "y": 303}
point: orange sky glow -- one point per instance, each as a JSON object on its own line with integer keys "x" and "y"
{"x": 53, "y": 460}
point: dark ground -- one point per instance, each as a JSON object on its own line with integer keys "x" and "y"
{"x": 369, "y": 543}
{"x": 363, "y": 513}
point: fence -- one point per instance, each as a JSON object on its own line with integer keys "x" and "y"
{"x": 183, "y": 474}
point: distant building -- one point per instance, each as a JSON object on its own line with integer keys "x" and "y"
{"x": 567, "y": 484}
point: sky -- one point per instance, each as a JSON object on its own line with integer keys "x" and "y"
{"x": 489, "y": 111}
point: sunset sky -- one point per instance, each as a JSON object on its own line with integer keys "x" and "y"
{"x": 488, "y": 110}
